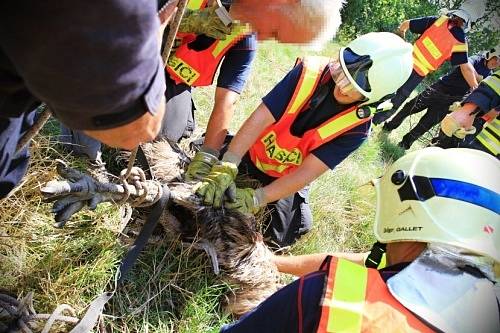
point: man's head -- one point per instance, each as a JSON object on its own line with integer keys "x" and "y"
{"x": 371, "y": 67}
{"x": 445, "y": 196}
{"x": 290, "y": 21}
{"x": 493, "y": 58}
{"x": 460, "y": 18}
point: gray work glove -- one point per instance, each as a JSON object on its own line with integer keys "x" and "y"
{"x": 76, "y": 192}
{"x": 201, "y": 164}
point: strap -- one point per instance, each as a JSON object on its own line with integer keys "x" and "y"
{"x": 95, "y": 309}
{"x": 146, "y": 231}
{"x": 376, "y": 255}
{"x": 92, "y": 315}
{"x": 144, "y": 163}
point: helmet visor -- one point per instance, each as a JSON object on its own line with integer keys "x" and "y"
{"x": 354, "y": 74}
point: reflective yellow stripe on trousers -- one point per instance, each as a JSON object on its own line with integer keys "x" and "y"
{"x": 346, "y": 307}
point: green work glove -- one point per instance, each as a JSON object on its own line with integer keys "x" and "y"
{"x": 204, "y": 21}
{"x": 201, "y": 164}
{"x": 247, "y": 200}
{"x": 214, "y": 186}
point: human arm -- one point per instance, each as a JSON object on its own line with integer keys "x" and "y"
{"x": 470, "y": 75}
{"x": 419, "y": 25}
{"x": 308, "y": 263}
{"x": 220, "y": 119}
{"x": 250, "y": 131}
{"x": 233, "y": 75}
{"x": 403, "y": 27}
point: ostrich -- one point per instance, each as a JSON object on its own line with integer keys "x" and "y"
{"x": 231, "y": 239}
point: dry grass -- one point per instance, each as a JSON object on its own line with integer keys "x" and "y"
{"x": 172, "y": 287}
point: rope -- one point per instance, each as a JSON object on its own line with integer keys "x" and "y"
{"x": 22, "y": 314}
{"x": 174, "y": 26}
{"x": 136, "y": 173}
{"x": 37, "y": 126}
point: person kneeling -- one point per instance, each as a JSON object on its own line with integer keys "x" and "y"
{"x": 441, "y": 227}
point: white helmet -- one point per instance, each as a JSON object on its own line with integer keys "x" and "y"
{"x": 495, "y": 52}
{"x": 449, "y": 196}
{"x": 377, "y": 64}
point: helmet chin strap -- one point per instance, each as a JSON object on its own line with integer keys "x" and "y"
{"x": 449, "y": 290}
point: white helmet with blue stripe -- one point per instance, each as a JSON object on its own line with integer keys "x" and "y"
{"x": 448, "y": 196}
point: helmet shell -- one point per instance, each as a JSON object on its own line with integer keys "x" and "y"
{"x": 392, "y": 63}
{"x": 441, "y": 219}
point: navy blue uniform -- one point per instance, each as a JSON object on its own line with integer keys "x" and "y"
{"x": 419, "y": 26}
{"x": 436, "y": 99}
{"x": 96, "y": 66}
{"x": 291, "y": 217}
{"x": 234, "y": 72}
{"x": 298, "y": 304}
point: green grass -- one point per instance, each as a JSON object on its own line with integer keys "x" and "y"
{"x": 171, "y": 288}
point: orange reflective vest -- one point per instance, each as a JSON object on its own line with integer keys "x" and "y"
{"x": 198, "y": 68}
{"x": 277, "y": 152}
{"x": 356, "y": 299}
{"x": 435, "y": 46}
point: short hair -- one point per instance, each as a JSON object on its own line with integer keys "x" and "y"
{"x": 324, "y": 15}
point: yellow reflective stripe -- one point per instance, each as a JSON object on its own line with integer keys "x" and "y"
{"x": 494, "y": 126}
{"x": 183, "y": 70}
{"x": 194, "y": 4}
{"x": 432, "y": 48}
{"x": 420, "y": 57}
{"x": 422, "y": 68}
{"x": 493, "y": 82}
{"x": 440, "y": 21}
{"x": 489, "y": 141}
{"x": 383, "y": 262}
{"x": 223, "y": 43}
{"x": 338, "y": 124}
{"x": 311, "y": 66}
{"x": 349, "y": 290}
{"x": 460, "y": 48}
{"x": 264, "y": 167}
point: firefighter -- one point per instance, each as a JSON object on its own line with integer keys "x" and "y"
{"x": 438, "y": 98}
{"x": 442, "y": 38}
{"x": 464, "y": 127}
{"x": 311, "y": 121}
{"x": 194, "y": 64}
{"x": 442, "y": 229}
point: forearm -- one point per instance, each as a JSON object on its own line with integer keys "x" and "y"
{"x": 287, "y": 185}
{"x": 404, "y": 26}
{"x": 220, "y": 119}
{"x": 469, "y": 74}
{"x": 305, "y": 264}
{"x": 130, "y": 135}
{"x": 250, "y": 131}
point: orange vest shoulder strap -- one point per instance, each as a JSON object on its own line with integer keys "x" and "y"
{"x": 196, "y": 4}
{"x": 311, "y": 74}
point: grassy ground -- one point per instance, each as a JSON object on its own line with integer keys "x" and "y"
{"x": 171, "y": 288}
